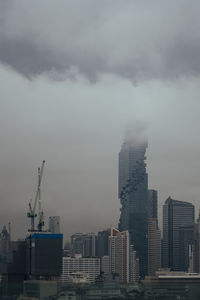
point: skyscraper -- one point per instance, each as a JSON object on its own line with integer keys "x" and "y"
{"x": 54, "y": 224}
{"x": 152, "y": 204}
{"x": 122, "y": 256}
{"x": 133, "y": 195}
{"x": 176, "y": 216}
{"x": 119, "y": 253}
{"x": 154, "y": 246}
{"x": 154, "y": 236}
{"x": 102, "y": 243}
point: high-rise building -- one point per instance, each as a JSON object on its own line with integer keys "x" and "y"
{"x": 154, "y": 236}
{"x": 176, "y": 216}
{"x": 134, "y": 265}
{"x": 54, "y": 224}
{"x": 119, "y": 252}
{"x": 102, "y": 243}
{"x": 196, "y": 247}
{"x": 122, "y": 256}
{"x": 133, "y": 195}
{"x": 84, "y": 244}
{"x": 186, "y": 245}
{"x": 154, "y": 246}
{"x": 44, "y": 254}
{"x": 152, "y": 204}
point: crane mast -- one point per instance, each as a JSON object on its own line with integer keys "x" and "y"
{"x": 32, "y": 209}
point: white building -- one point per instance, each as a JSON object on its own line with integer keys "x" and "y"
{"x": 119, "y": 253}
{"x": 90, "y": 266}
{"x": 54, "y": 224}
{"x": 122, "y": 257}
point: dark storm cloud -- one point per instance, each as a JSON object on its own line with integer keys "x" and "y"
{"x": 138, "y": 40}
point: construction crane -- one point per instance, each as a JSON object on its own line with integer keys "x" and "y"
{"x": 32, "y": 209}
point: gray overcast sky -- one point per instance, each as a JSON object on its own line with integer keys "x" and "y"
{"x": 73, "y": 75}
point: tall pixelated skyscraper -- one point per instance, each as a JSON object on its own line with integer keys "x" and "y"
{"x": 133, "y": 195}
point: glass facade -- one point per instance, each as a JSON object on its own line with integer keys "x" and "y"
{"x": 177, "y": 215}
{"x": 133, "y": 195}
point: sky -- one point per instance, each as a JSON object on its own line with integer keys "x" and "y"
{"x": 74, "y": 75}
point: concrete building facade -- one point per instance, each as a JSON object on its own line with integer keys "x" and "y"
{"x": 89, "y": 267}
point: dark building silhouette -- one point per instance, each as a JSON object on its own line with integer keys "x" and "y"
{"x": 14, "y": 271}
{"x": 196, "y": 246}
{"x": 102, "y": 243}
{"x": 178, "y": 216}
{"x": 84, "y": 244}
{"x": 44, "y": 255}
{"x": 152, "y": 204}
{"x": 133, "y": 195}
{"x": 186, "y": 243}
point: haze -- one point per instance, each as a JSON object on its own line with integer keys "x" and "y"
{"x": 74, "y": 75}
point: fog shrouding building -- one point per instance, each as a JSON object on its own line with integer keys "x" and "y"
{"x": 133, "y": 195}
{"x": 177, "y": 215}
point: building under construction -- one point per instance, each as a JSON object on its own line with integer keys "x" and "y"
{"x": 43, "y": 255}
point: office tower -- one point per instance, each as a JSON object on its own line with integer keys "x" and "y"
{"x": 44, "y": 254}
{"x": 154, "y": 246}
{"x": 84, "y": 244}
{"x": 154, "y": 236}
{"x": 152, "y": 204}
{"x": 77, "y": 243}
{"x": 133, "y": 195}
{"x": 89, "y": 245}
{"x": 176, "y": 215}
{"x": 102, "y": 243}
{"x": 186, "y": 244}
{"x": 196, "y": 246}
{"x": 80, "y": 268}
{"x": 54, "y": 224}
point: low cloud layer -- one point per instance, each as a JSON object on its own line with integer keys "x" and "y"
{"x": 138, "y": 40}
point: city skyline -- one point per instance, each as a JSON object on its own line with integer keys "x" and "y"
{"x": 70, "y": 85}
{"x": 139, "y": 129}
